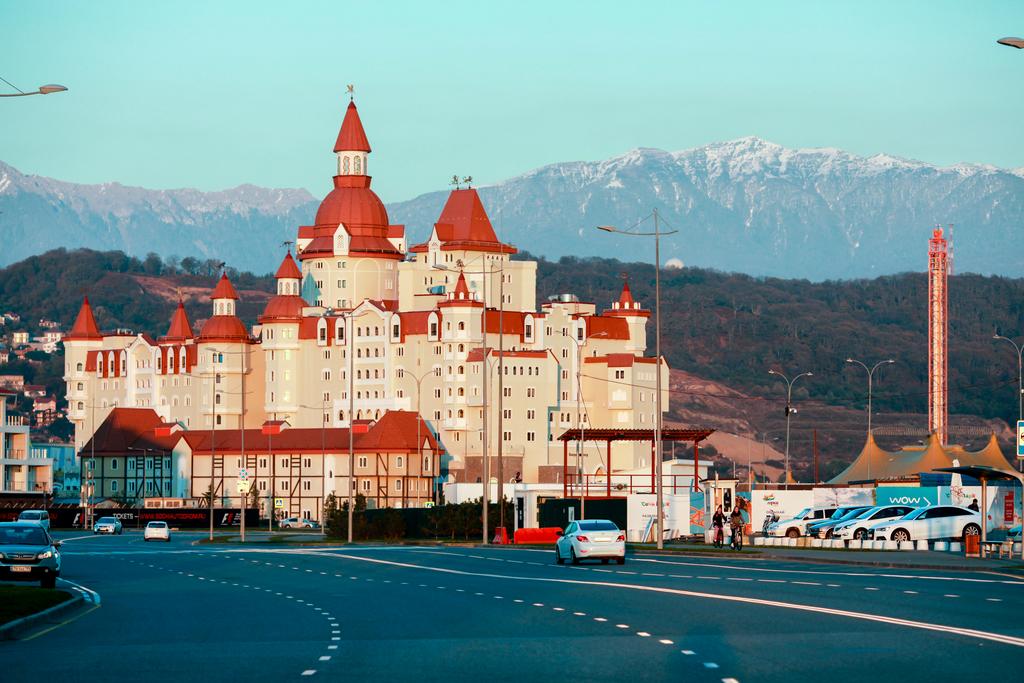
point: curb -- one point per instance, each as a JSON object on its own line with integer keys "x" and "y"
{"x": 7, "y": 631}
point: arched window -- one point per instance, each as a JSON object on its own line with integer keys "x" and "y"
{"x": 376, "y": 331}
{"x": 462, "y": 392}
{"x": 79, "y": 367}
{"x": 376, "y": 414}
{"x": 358, "y": 165}
{"x": 344, "y": 166}
{"x": 216, "y": 399}
{"x": 462, "y": 370}
{"x": 462, "y": 326}
{"x": 462, "y": 413}
{"x": 462, "y": 347}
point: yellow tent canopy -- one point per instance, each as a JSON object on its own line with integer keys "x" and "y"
{"x": 874, "y": 463}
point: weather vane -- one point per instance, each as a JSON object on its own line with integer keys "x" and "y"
{"x": 456, "y": 182}
{"x": 468, "y": 180}
{"x": 287, "y": 244}
{"x": 351, "y": 90}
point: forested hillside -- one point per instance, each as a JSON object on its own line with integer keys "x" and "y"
{"x": 723, "y": 327}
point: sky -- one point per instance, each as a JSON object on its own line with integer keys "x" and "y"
{"x": 215, "y": 94}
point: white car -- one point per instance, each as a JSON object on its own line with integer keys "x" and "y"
{"x": 157, "y": 531}
{"x": 591, "y": 538}
{"x": 934, "y": 522}
{"x": 40, "y": 517}
{"x": 797, "y": 525}
{"x": 859, "y": 525}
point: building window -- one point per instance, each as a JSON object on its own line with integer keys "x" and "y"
{"x": 362, "y": 461}
{"x": 366, "y": 484}
{"x": 399, "y": 461}
{"x": 398, "y": 484}
{"x": 113, "y": 463}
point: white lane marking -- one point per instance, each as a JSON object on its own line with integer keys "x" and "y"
{"x": 950, "y": 595}
{"x": 643, "y": 634}
{"x": 90, "y": 595}
{"x": 600, "y": 619}
{"x": 558, "y": 609}
{"x": 666, "y": 641}
{"x": 687, "y": 652}
{"x": 771, "y": 581}
{"x": 910, "y": 592}
{"x": 621, "y": 625}
{"x": 710, "y": 665}
{"x": 325, "y": 658}
{"x": 893, "y": 621}
{"x": 869, "y": 588}
{"x": 993, "y": 599}
{"x": 309, "y": 672}
{"x": 736, "y": 578}
{"x": 805, "y": 583}
{"x": 516, "y": 600}
{"x": 538, "y": 604}
{"x": 332, "y": 647}
{"x": 825, "y": 573}
{"x": 78, "y": 538}
{"x": 579, "y": 614}
{"x": 730, "y": 680}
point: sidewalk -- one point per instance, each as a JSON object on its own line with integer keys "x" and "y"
{"x": 896, "y": 559}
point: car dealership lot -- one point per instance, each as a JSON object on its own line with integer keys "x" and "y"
{"x": 273, "y": 611}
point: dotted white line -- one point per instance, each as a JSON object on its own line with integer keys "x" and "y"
{"x": 643, "y": 634}
{"x": 309, "y": 672}
{"x": 710, "y": 665}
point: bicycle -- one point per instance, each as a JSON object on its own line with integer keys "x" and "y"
{"x": 737, "y": 540}
{"x": 718, "y": 540}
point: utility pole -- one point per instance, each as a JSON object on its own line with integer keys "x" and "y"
{"x": 501, "y": 391}
{"x": 814, "y": 437}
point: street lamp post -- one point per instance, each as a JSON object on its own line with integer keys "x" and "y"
{"x": 657, "y": 234}
{"x": 789, "y": 410}
{"x": 871, "y": 375}
{"x": 579, "y": 423}
{"x": 487, "y": 273}
{"x": 1019, "y": 348}
{"x": 43, "y": 90}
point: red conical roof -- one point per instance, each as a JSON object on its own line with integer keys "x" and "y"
{"x": 626, "y": 298}
{"x": 352, "y": 137}
{"x": 180, "y": 328}
{"x": 224, "y": 289}
{"x": 85, "y": 324}
{"x": 461, "y": 289}
{"x": 288, "y": 270}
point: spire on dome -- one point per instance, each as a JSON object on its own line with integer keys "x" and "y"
{"x": 288, "y": 270}
{"x": 352, "y": 137}
{"x": 224, "y": 289}
{"x": 180, "y": 328}
{"x": 85, "y": 324}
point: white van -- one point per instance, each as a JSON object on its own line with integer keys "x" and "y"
{"x": 40, "y": 517}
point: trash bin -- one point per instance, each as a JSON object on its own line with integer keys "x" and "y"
{"x": 972, "y": 546}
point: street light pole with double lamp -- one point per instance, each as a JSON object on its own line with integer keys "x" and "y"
{"x": 789, "y": 410}
{"x": 657, "y": 235}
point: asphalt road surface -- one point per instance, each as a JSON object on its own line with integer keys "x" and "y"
{"x": 179, "y": 612}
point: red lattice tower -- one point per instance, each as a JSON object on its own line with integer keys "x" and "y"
{"x": 938, "y": 332}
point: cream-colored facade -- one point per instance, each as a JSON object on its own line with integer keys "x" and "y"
{"x": 364, "y": 323}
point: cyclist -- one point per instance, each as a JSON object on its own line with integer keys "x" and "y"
{"x": 736, "y": 526}
{"x": 718, "y": 525}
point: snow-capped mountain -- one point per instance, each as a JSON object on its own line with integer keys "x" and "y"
{"x": 38, "y": 214}
{"x": 746, "y": 205}
{"x": 753, "y": 206}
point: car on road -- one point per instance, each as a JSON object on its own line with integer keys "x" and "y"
{"x": 591, "y": 539}
{"x": 107, "y": 525}
{"x": 857, "y": 527}
{"x": 796, "y": 525}
{"x": 824, "y": 528}
{"x": 157, "y": 531}
{"x": 298, "y": 523}
{"x": 933, "y": 522}
{"x": 28, "y": 553}
{"x": 40, "y": 517}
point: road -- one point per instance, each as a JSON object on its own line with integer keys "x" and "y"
{"x": 179, "y": 612}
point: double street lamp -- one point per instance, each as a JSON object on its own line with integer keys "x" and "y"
{"x": 871, "y": 375}
{"x": 1019, "y": 348}
{"x": 789, "y": 409}
{"x": 657, "y": 234}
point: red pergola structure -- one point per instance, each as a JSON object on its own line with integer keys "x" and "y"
{"x": 611, "y": 435}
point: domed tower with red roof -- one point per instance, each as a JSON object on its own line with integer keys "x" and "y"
{"x": 279, "y": 331}
{"x": 636, "y": 316}
{"x": 224, "y": 363}
{"x": 351, "y": 251}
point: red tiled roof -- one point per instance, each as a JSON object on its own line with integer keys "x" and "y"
{"x": 415, "y": 322}
{"x": 609, "y": 328}
{"x": 224, "y": 289}
{"x": 224, "y": 328}
{"x": 180, "y": 328}
{"x": 396, "y": 430}
{"x": 85, "y": 324}
{"x": 283, "y": 307}
{"x": 352, "y": 137}
{"x": 122, "y": 428}
{"x": 464, "y": 224}
{"x": 288, "y": 270}
{"x": 355, "y": 205}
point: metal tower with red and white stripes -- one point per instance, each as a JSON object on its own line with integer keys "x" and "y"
{"x": 938, "y": 331}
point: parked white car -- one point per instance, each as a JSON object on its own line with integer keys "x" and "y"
{"x": 859, "y": 525}
{"x": 591, "y": 538}
{"x": 934, "y": 522}
{"x": 40, "y": 517}
{"x": 797, "y": 525}
{"x": 157, "y": 531}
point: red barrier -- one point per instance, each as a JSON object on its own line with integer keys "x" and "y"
{"x": 544, "y": 535}
{"x": 500, "y": 536}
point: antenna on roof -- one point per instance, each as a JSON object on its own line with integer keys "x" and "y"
{"x": 456, "y": 182}
{"x": 351, "y": 90}
{"x": 178, "y": 290}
